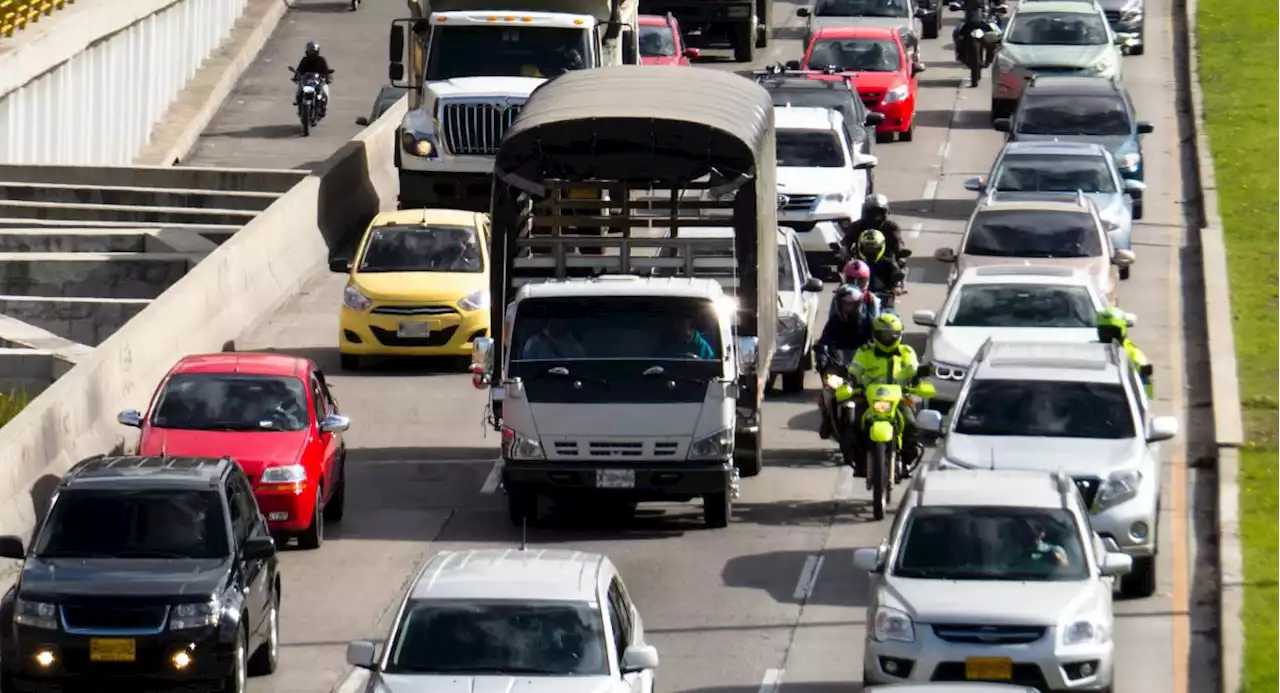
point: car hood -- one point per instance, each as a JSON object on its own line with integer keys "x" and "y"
{"x": 58, "y": 578}
{"x": 969, "y": 602}
{"x": 877, "y": 81}
{"x": 254, "y": 450}
{"x": 958, "y": 345}
{"x": 418, "y": 683}
{"x": 427, "y": 287}
{"x": 1075, "y": 456}
{"x": 810, "y": 181}
{"x": 1114, "y": 143}
{"x": 861, "y": 22}
{"x": 1064, "y": 56}
{"x": 480, "y": 87}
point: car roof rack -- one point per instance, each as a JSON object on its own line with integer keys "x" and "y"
{"x": 780, "y": 69}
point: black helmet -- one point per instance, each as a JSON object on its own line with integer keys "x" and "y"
{"x": 875, "y": 206}
{"x": 313, "y": 48}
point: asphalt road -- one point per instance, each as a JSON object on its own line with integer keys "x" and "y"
{"x": 728, "y": 609}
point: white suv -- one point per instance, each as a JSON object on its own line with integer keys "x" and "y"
{"x": 1075, "y": 407}
{"x": 501, "y": 619}
{"x": 991, "y": 576}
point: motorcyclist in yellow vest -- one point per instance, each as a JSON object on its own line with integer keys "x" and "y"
{"x": 884, "y": 360}
{"x": 1113, "y": 326}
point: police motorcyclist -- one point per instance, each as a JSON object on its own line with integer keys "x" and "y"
{"x": 875, "y": 215}
{"x": 885, "y": 360}
{"x": 886, "y": 271}
{"x": 857, "y": 275}
{"x": 1113, "y": 326}
{"x": 313, "y": 63}
{"x": 848, "y": 328}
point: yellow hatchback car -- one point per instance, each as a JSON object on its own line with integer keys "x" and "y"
{"x": 418, "y": 286}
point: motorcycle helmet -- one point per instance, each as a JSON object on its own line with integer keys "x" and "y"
{"x": 857, "y": 273}
{"x": 848, "y": 299}
{"x": 1112, "y": 326}
{"x": 875, "y": 208}
{"x": 871, "y": 245}
{"x": 886, "y": 332}
{"x": 313, "y": 49}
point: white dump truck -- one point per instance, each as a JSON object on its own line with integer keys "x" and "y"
{"x": 471, "y": 64}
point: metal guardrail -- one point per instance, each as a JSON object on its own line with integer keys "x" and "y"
{"x": 15, "y": 15}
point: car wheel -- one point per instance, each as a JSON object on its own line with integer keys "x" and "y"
{"x": 793, "y": 382}
{"x": 237, "y": 678}
{"x": 267, "y": 657}
{"x": 716, "y": 509}
{"x": 337, "y": 506}
{"x": 884, "y": 137}
{"x": 1137, "y": 50}
{"x": 908, "y": 134}
{"x": 1124, "y": 273}
{"x": 349, "y": 362}
{"x": 1141, "y": 581}
{"x": 1137, "y": 211}
{"x": 747, "y": 454}
{"x": 313, "y": 536}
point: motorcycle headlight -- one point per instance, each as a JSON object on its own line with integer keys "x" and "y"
{"x": 1129, "y": 161}
{"x": 199, "y": 615}
{"x": 882, "y": 407}
{"x": 477, "y": 301}
{"x": 716, "y": 446}
{"x": 35, "y": 614}
{"x": 834, "y": 382}
{"x": 353, "y": 299}
{"x": 418, "y": 143}
{"x": 896, "y": 94}
{"x": 1118, "y": 488}
{"x": 789, "y": 323}
{"x": 893, "y": 624}
{"x": 284, "y": 474}
{"x": 1085, "y": 632}
{"x": 516, "y": 446}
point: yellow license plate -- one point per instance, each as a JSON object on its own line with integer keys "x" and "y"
{"x": 113, "y": 650}
{"x": 988, "y": 668}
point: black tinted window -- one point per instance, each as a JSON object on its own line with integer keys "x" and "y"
{"x": 1104, "y": 116}
{"x": 135, "y": 524}
{"x": 1036, "y": 173}
{"x": 615, "y": 328}
{"x": 228, "y": 402}
{"x": 977, "y": 543}
{"x": 488, "y": 51}
{"x": 1023, "y": 305}
{"x": 1034, "y": 234}
{"x": 809, "y": 149}
{"x": 1046, "y": 409}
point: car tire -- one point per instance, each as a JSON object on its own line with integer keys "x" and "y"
{"x": 1124, "y": 273}
{"x": 1140, "y": 583}
{"x": 747, "y": 456}
{"x": 744, "y": 47}
{"x": 522, "y": 508}
{"x": 237, "y": 679}
{"x": 930, "y": 30}
{"x": 313, "y": 536}
{"x": 1137, "y": 50}
{"x": 266, "y": 658}
{"x": 908, "y": 134}
{"x": 337, "y": 506}
{"x": 716, "y": 510}
{"x": 1137, "y": 210}
{"x": 884, "y": 137}
{"x": 793, "y": 382}
{"x": 349, "y": 362}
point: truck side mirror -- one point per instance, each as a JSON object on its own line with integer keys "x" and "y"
{"x": 482, "y": 355}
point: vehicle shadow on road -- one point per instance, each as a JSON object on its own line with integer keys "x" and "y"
{"x": 320, "y": 7}
{"x": 559, "y": 525}
{"x": 327, "y": 358}
{"x": 791, "y": 687}
{"x": 795, "y": 513}
{"x": 946, "y": 210}
{"x": 778, "y": 573}
{"x": 941, "y": 82}
{"x": 949, "y": 120}
{"x": 273, "y": 131}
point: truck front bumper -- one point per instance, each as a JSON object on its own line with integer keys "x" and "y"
{"x": 649, "y": 482}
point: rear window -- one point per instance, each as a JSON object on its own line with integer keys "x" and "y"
{"x": 809, "y": 149}
{"x": 1034, "y": 234}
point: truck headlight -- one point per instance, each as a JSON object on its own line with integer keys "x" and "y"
{"x": 789, "y": 323}
{"x": 353, "y": 299}
{"x": 516, "y": 446}
{"x": 893, "y": 624}
{"x": 1129, "y": 162}
{"x": 896, "y": 94}
{"x": 421, "y": 144}
{"x": 198, "y": 615}
{"x": 716, "y": 446}
{"x": 284, "y": 474}
{"x": 1118, "y": 488}
{"x": 35, "y": 614}
{"x": 1085, "y": 632}
{"x": 477, "y": 301}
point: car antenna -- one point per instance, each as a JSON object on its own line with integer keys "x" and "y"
{"x": 524, "y": 533}
{"x": 164, "y": 445}
{"x": 992, "y": 453}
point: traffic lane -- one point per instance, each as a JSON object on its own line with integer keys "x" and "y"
{"x": 257, "y": 126}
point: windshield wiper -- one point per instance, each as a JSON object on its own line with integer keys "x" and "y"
{"x": 562, "y": 372}
{"x": 660, "y": 372}
{"x": 480, "y": 671}
{"x": 75, "y": 554}
{"x": 150, "y": 553}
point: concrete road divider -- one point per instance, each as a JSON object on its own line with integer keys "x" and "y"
{"x": 238, "y": 284}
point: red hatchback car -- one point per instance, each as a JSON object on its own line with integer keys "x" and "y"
{"x": 882, "y": 73}
{"x": 661, "y": 42}
{"x": 274, "y": 415}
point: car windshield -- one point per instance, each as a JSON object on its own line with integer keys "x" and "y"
{"x": 1099, "y": 116}
{"x": 624, "y": 327}
{"x": 134, "y": 524}
{"x": 657, "y": 41}
{"x": 786, "y": 278}
{"x": 860, "y": 8}
{"x": 397, "y": 248}
{"x": 1033, "y": 234}
{"x": 232, "y": 402}
{"x": 809, "y": 149}
{"x": 1058, "y": 29}
{"x": 991, "y": 543}
{"x": 856, "y": 55}
{"x": 506, "y": 51}
{"x": 1023, "y": 305}
{"x": 1046, "y": 409}
{"x": 540, "y": 638}
{"x": 1036, "y": 173}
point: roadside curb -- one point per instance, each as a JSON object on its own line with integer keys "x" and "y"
{"x": 1228, "y": 422}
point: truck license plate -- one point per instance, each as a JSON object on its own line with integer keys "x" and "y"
{"x": 615, "y": 478}
{"x": 988, "y": 668}
{"x": 413, "y": 330}
{"x": 113, "y": 650}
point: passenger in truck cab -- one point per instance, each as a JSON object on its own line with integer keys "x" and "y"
{"x": 689, "y": 343}
{"x": 554, "y": 342}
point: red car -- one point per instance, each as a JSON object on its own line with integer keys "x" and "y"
{"x": 882, "y": 73}
{"x": 661, "y": 42}
{"x": 274, "y": 415}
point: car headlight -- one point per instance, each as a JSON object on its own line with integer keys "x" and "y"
{"x": 284, "y": 474}
{"x": 477, "y": 301}
{"x": 1103, "y": 66}
{"x": 789, "y": 323}
{"x": 1118, "y": 488}
{"x": 896, "y": 94}
{"x": 834, "y": 197}
{"x": 946, "y": 371}
{"x": 1129, "y": 162}
{"x": 35, "y": 614}
{"x": 893, "y": 624}
{"x": 353, "y": 299}
{"x": 198, "y": 615}
{"x": 421, "y": 144}
{"x": 1004, "y": 63}
{"x": 716, "y": 446}
{"x": 516, "y": 446}
{"x": 1085, "y": 632}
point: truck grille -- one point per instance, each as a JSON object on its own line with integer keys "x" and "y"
{"x": 1088, "y": 487}
{"x": 475, "y": 129}
{"x": 799, "y": 203}
{"x": 106, "y": 618}
{"x": 615, "y": 449}
{"x": 988, "y": 635}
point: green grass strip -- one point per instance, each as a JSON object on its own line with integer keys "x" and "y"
{"x": 11, "y": 404}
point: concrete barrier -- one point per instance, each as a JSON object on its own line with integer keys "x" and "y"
{"x": 236, "y": 286}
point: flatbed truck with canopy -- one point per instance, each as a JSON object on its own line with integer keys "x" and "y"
{"x": 630, "y": 365}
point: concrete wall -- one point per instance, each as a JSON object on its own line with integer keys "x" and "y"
{"x": 87, "y": 321}
{"x": 237, "y": 285}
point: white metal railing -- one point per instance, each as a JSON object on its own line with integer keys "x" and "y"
{"x": 99, "y": 106}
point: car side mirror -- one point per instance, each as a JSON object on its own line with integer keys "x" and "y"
{"x": 1162, "y": 428}
{"x": 812, "y": 285}
{"x": 874, "y": 118}
{"x": 916, "y": 69}
{"x": 947, "y": 255}
{"x": 362, "y": 121}
{"x": 1134, "y": 188}
{"x": 334, "y": 423}
{"x": 975, "y": 185}
{"x": 804, "y": 12}
{"x": 1145, "y": 128}
{"x": 1002, "y": 125}
{"x": 925, "y": 318}
{"x": 340, "y": 266}
{"x": 11, "y": 547}
{"x": 692, "y": 53}
{"x": 1116, "y": 564}
{"x": 792, "y": 65}
{"x": 637, "y": 658}
{"x": 259, "y": 548}
{"x": 867, "y": 559}
{"x": 866, "y": 163}
{"x": 929, "y": 420}
{"x": 1123, "y": 258}
{"x": 748, "y": 354}
{"x": 130, "y": 417}
{"x": 361, "y": 654}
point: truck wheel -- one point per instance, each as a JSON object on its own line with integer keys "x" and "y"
{"x": 716, "y": 508}
{"x": 522, "y": 508}
{"x": 744, "y": 46}
{"x": 747, "y": 456}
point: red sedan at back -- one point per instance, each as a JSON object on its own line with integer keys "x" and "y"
{"x": 882, "y": 73}
{"x": 661, "y": 42}
{"x": 271, "y": 413}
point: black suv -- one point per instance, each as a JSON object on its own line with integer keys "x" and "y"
{"x": 146, "y": 572}
{"x": 798, "y": 88}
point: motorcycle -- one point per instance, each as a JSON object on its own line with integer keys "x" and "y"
{"x": 976, "y": 48}
{"x": 311, "y": 101}
{"x": 882, "y": 425}
{"x": 833, "y": 368}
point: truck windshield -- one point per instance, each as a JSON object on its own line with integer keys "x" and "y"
{"x": 506, "y": 51}
{"x": 650, "y": 328}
